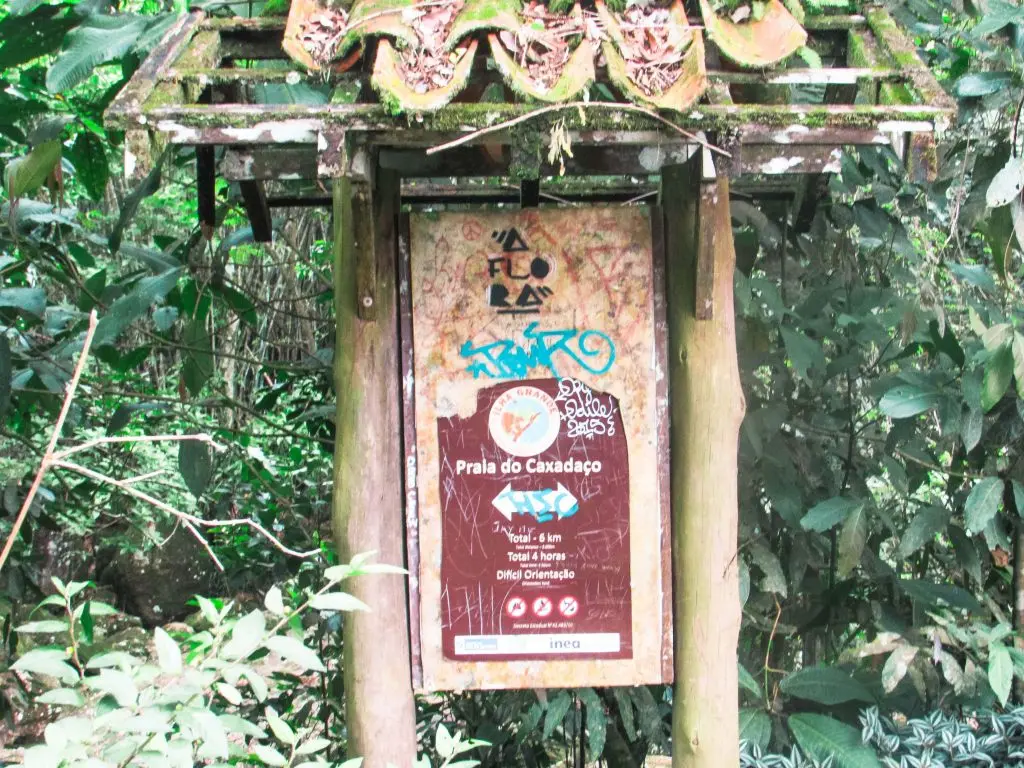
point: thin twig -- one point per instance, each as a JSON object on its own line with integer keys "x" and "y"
{"x": 185, "y": 517}
{"x": 137, "y": 439}
{"x": 48, "y": 456}
{"x": 472, "y": 136}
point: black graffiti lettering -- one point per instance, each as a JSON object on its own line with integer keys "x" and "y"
{"x": 497, "y": 296}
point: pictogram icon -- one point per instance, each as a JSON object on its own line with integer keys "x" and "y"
{"x": 515, "y": 607}
{"x": 568, "y": 606}
{"x": 542, "y": 607}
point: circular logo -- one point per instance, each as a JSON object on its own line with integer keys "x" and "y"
{"x": 524, "y": 421}
{"x": 515, "y": 607}
{"x": 542, "y": 607}
{"x": 568, "y": 606}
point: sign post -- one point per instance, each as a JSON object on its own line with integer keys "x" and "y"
{"x": 534, "y": 375}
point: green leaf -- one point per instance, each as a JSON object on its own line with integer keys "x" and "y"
{"x": 825, "y": 685}
{"x": 338, "y": 601}
{"x": 65, "y": 697}
{"x": 48, "y": 627}
{"x": 979, "y": 84}
{"x": 755, "y": 727}
{"x": 822, "y": 737}
{"x": 827, "y": 514}
{"x": 906, "y": 400}
{"x": 896, "y": 666}
{"x": 24, "y": 175}
{"x": 134, "y": 304}
{"x": 1018, "y": 496}
{"x": 35, "y": 33}
{"x": 938, "y": 594}
{"x": 805, "y": 353}
{"x": 96, "y": 41}
{"x": 556, "y": 711}
{"x": 966, "y": 552}
{"x": 195, "y": 465}
{"x": 6, "y": 374}
{"x": 774, "y": 578}
{"x": 983, "y": 503}
{"x": 443, "y": 742}
{"x": 29, "y": 300}
{"x": 130, "y": 205}
{"x": 197, "y": 365}
{"x": 852, "y": 538}
{"x": 281, "y": 730}
{"x": 273, "y": 601}
{"x": 597, "y": 721}
{"x": 998, "y": 373}
{"x": 118, "y": 684}
{"x": 167, "y": 651}
{"x": 747, "y": 681}
{"x": 87, "y": 623}
{"x": 246, "y": 636}
{"x": 971, "y": 428}
{"x": 89, "y": 157}
{"x": 1000, "y": 671}
{"x": 922, "y": 529}
{"x": 294, "y": 651}
{"x": 1018, "y": 362}
{"x": 46, "y": 661}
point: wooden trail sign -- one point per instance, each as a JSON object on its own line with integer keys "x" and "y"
{"x": 536, "y": 445}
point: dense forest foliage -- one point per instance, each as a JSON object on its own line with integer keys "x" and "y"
{"x": 882, "y": 454}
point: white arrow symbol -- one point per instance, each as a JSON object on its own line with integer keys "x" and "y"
{"x": 542, "y": 505}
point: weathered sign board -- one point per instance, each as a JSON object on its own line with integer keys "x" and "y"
{"x": 536, "y": 449}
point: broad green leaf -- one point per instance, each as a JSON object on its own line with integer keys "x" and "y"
{"x": 197, "y": 359}
{"x": 235, "y": 724}
{"x": 246, "y": 636}
{"x": 852, "y": 538}
{"x": 45, "y": 661}
{"x": 130, "y": 205}
{"x": 34, "y": 33}
{"x": 49, "y": 626}
{"x": 29, "y": 300}
{"x": 971, "y": 427}
{"x": 89, "y": 157}
{"x": 804, "y": 352}
{"x": 907, "y": 400}
{"x": 118, "y": 684}
{"x": 624, "y": 702}
{"x": 983, "y": 503}
{"x": 24, "y": 175}
{"x": 966, "y": 552}
{"x": 273, "y": 601}
{"x": 6, "y": 374}
{"x": 556, "y": 711}
{"x": 747, "y": 681}
{"x": 294, "y": 651}
{"x": 922, "y": 529}
{"x": 66, "y": 697}
{"x": 827, "y": 514}
{"x": 281, "y": 730}
{"x": 1018, "y": 361}
{"x": 1000, "y": 671}
{"x": 231, "y": 694}
{"x": 896, "y": 666}
{"x": 822, "y": 737}
{"x": 196, "y": 465}
{"x": 133, "y": 305}
{"x": 1008, "y": 183}
{"x": 825, "y": 685}
{"x": 312, "y": 746}
{"x": 998, "y": 373}
{"x": 1018, "y": 496}
{"x": 938, "y": 594}
{"x": 214, "y": 739}
{"x": 443, "y": 742}
{"x": 96, "y": 41}
{"x": 774, "y": 577}
{"x": 597, "y": 721}
{"x": 755, "y": 727}
{"x": 338, "y": 601}
{"x": 167, "y": 651}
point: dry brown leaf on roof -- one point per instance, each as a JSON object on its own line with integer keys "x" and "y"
{"x": 653, "y": 46}
{"x": 428, "y": 65}
{"x": 322, "y": 32}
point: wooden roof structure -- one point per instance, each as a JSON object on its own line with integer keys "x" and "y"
{"x": 217, "y": 82}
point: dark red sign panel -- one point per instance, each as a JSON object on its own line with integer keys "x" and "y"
{"x": 535, "y": 525}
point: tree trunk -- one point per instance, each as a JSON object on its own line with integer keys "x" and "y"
{"x": 367, "y": 514}
{"x": 707, "y": 408}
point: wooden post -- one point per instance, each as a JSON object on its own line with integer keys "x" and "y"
{"x": 379, "y": 705}
{"x": 707, "y": 407}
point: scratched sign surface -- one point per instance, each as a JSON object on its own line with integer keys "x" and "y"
{"x": 540, "y": 525}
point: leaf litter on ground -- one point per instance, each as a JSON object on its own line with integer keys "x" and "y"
{"x": 653, "y": 46}
{"x": 544, "y": 42}
{"x": 428, "y": 65}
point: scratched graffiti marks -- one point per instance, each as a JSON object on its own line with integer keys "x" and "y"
{"x": 599, "y": 278}
{"x": 552, "y": 526}
{"x": 584, "y": 413}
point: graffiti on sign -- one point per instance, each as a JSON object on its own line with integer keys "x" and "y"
{"x": 536, "y": 465}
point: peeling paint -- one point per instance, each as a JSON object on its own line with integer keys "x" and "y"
{"x": 781, "y": 165}
{"x": 785, "y": 136}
